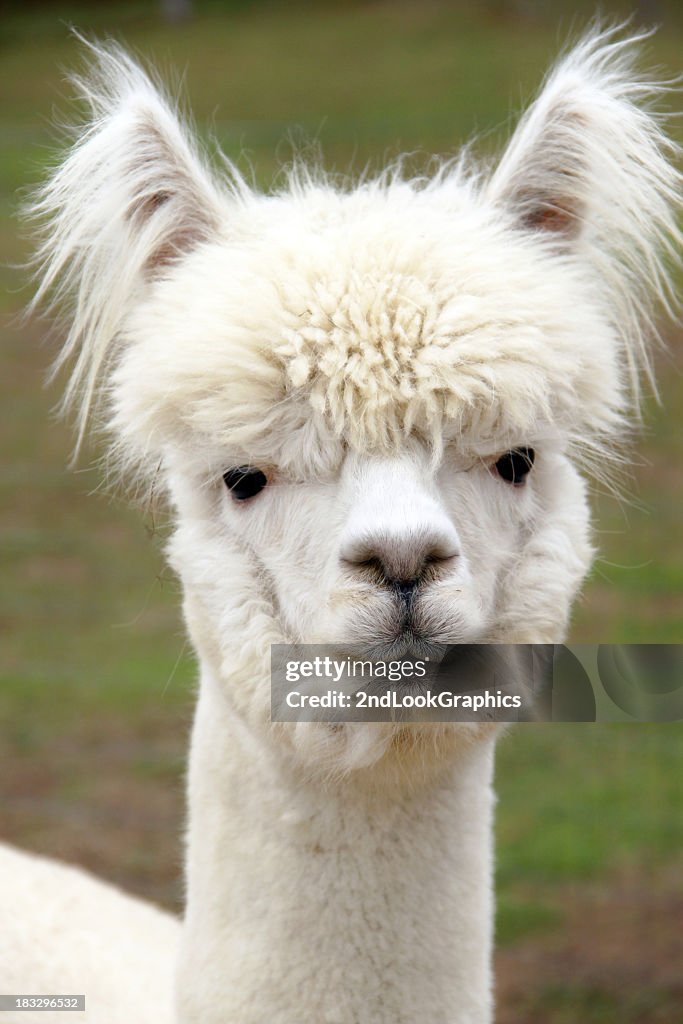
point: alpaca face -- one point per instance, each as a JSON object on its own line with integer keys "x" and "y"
{"x": 396, "y": 551}
{"x": 415, "y": 517}
{"x": 403, "y": 554}
{"x": 343, "y": 390}
{"x": 372, "y": 362}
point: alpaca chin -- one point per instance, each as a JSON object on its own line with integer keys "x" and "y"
{"x": 385, "y": 755}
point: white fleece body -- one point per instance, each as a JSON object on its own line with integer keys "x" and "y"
{"x": 376, "y": 355}
{"x": 63, "y": 932}
{"x": 334, "y": 903}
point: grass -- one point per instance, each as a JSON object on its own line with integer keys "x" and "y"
{"x": 546, "y": 840}
{"x": 567, "y": 1004}
{"x": 96, "y": 686}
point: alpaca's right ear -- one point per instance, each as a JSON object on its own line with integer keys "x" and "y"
{"x": 131, "y": 197}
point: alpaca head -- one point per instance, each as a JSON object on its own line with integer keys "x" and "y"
{"x": 367, "y": 403}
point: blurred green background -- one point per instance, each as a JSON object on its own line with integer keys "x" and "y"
{"x": 97, "y": 681}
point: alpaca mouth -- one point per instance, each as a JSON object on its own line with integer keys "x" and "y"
{"x": 408, "y": 643}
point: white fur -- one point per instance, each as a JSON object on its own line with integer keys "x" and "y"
{"x": 64, "y": 932}
{"x": 374, "y": 349}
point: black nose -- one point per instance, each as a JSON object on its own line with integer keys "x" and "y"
{"x": 401, "y": 559}
{"x": 404, "y": 590}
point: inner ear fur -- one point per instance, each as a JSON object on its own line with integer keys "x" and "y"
{"x": 169, "y": 188}
{"x": 589, "y": 156}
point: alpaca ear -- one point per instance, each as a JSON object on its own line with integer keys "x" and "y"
{"x": 131, "y": 197}
{"x": 590, "y": 159}
{"x": 591, "y": 168}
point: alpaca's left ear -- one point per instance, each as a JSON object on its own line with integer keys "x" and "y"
{"x": 591, "y": 169}
{"x": 589, "y": 158}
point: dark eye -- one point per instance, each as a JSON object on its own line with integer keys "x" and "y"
{"x": 244, "y": 482}
{"x": 514, "y": 465}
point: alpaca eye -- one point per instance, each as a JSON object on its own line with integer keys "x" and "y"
{"x": 244, "y": 482}
{"x": 514, "y": 466}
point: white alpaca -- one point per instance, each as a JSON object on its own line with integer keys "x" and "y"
{"x": 410, "y": 370}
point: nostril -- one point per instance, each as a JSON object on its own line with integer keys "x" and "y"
{"x": 436, "y": 567}
{"x": 441, "y": 551}
{"x": 370, "y": 563}
{"x": 401, "y": 560}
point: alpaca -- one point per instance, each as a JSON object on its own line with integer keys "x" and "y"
{"x": 369, "y": 406}
{"x": 63, "y": 931}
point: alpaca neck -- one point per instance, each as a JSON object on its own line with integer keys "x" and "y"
{"x": 312, "y": 903}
